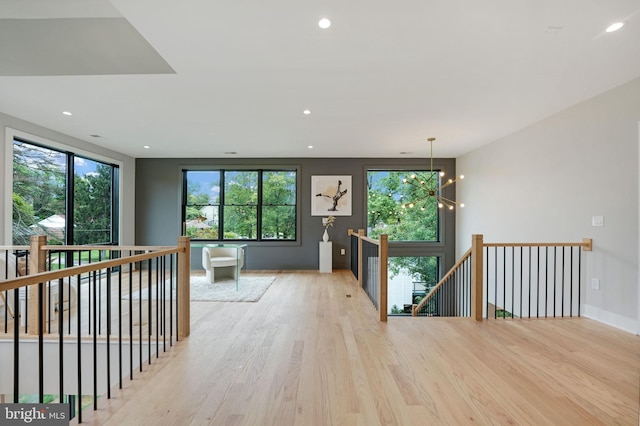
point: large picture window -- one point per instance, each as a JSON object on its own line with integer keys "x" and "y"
{"x": 240, "y": 204}
{"x": 69, "y": 198}
{"x": 417, "y": 238}
{"x": 387, "y": 194}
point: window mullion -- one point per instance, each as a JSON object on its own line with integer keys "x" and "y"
{"x": 221, "y": 206}
{"x": 69, "y": 200}
{"x": 259, "y": 207}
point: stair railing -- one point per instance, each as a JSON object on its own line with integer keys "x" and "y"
{"x": 451, "y": 296}
{"x": 510, "y": 280}
{"x": 372, "y": 270}
{"x": 154, "y": 310}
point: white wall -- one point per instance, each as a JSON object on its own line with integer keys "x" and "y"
{"x": 545, "y": 182}
{"x": 41, "y": 134}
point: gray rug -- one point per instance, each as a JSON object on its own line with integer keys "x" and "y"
{"x": 250, "y": 288}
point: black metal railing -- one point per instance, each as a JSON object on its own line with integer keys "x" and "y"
{"x": 511, "y": 280}
{"x": 451, "y": 297}
{"x": 369, "y": 261}
{"x": 120, "y": 306}
{"x": 532, "y": 280}
{"x": 370, "y": 271}
{"x": 354, "y": 254}
{"x": 14, "y": 262}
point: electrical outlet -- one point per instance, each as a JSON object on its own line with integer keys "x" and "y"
{"x": 595, "y": 283}
{"x": 342, "y": 252}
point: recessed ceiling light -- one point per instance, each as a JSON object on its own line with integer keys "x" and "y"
{"x": 146, "y": 147}
{"x": 324, "y": 23}
{"x": 310, "y": 147}
{"x": 614, "y": 27}
{"x": 66, "y": 112}
{"x": 306, "y": 112}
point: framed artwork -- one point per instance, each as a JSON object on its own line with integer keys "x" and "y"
{"x": 331, "y": 195}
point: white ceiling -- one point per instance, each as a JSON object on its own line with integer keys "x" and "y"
{"x": 200, "y": 78}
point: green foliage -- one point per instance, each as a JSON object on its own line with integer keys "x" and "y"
{"x": 92, "y": 206}
{"x": 23, "y": 219}
{"x": 501, "y": 313}
{"x": 395, "y": 310}
{"x": 39, "y": 177}
{"x": 385, "y": 214}
{"x": 240, "y": 207}
{"x": 39, "y": 181}
{"x": 202, "y": 233}
{"x": 39, "y": 192}
{"x": 240, "y": 203}
{"x": 279, "y": 205}
{"x": 423, "y": 269}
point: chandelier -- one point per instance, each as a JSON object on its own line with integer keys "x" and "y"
{"x": 429, "y": 188}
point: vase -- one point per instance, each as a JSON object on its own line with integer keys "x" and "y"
{"x": 325, "y": 236}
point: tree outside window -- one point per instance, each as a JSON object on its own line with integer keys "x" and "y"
{"x": 414, "y": 231}
{"x": 41, "y": 176}
{"x": 240, "y": 204}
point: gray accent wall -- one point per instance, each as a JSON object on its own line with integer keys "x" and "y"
{"x": 158, "y": 205}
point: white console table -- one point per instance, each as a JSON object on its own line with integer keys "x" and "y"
{"x": 325, "y": 257}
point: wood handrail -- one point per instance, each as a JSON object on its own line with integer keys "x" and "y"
{"x": 99, "y": 247}
{"x": 476, "y": 253}
{"x": 90, "y": 247}
{"x": 383, "y": 247}
{"x": 76, "y": 270}
{"x": 369, "y": 240}
{"x": 586, "y": 244}
{"x": 37, "y": 259}
{"x": 440, "y": 283}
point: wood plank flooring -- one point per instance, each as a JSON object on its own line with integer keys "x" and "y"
{"x": 306, "y": 354}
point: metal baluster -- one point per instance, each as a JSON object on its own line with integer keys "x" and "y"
{"x": 79, "y": 346}
{"x": 16, "y": 346}
{"x": 108, "y": 297}
{"x": 171, "y": 300}
{"x": 555, "y": 276}
{"x": 140, "y": 314}
{"x": 120, "y": 326}
{"x": 95, "y": 344}
{"x": 60, "y": 335}
{"x": 149, "y": 300}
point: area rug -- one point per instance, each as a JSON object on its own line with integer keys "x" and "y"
{"x": 250, "y": 288}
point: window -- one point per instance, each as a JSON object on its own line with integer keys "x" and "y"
{"x": 385, "y": 214}
{"x": 68, "y": 198}
{"x": 411, "y": 278}
{"x": 417, "y": 238}
{"x": 240, "y": 204}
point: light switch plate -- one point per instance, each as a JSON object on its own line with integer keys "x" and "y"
{"x": 595, "y": 283}
{"x": 597, "y": 221}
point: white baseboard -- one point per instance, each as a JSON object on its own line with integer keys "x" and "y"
{"x": 609, "y": 318}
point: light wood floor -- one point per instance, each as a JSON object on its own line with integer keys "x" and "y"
{"x": 307, "y": 354}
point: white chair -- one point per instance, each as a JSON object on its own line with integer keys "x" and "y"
{"x": 226, "y": 260}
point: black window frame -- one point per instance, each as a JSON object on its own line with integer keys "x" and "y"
{"x": 70, "y": 157}
{"x": 259, "y": 203}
